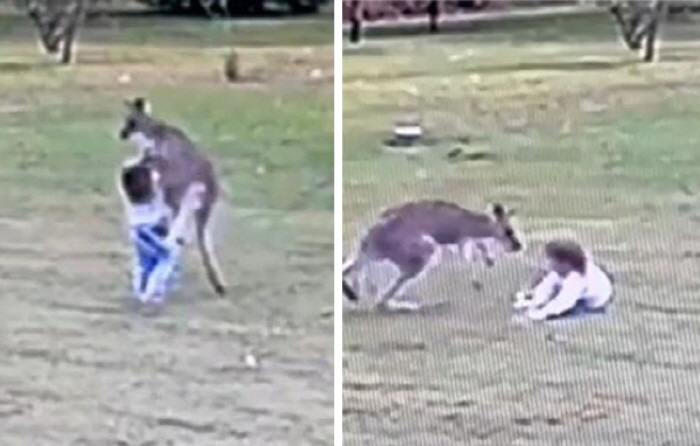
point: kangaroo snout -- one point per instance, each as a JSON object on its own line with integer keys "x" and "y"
{"x": 517, "y": 246}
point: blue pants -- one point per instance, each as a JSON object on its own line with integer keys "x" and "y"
{"x": 153, "y": 258}
{"x": 580, "y": 310}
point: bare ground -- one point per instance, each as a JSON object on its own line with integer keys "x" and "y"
{"x": 80, "y": 367}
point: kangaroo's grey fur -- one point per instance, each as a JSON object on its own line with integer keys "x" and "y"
{"x": 409, "y": 235}
{"x": 179, "y": 162}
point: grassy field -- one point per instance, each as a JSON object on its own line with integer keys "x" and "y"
{"x": 77, "y": 366}
{"x": 584, "y": 141}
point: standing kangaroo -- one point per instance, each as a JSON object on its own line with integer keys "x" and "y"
{"x": 409, "y": 236}
{"x": 179, "y": 163}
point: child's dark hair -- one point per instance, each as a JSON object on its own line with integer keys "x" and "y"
{"x": 137, "y": 183}
{"x": 568, "y": 252}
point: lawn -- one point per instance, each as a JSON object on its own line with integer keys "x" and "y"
{"x": 583, "y": 141}
{"x": 78, "y": 366}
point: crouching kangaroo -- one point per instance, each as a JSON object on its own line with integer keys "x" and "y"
{"x": 179, "y": 163}
{"x": 409, "y": 236}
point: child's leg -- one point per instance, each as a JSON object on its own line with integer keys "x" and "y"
{"x": 142, "y": 268}
{"x": 157, "y": 285}
{"x": 169, "y": 257}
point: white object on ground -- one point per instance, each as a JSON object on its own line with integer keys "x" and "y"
{"x": 535, "y": 314}
{"x": 522, "y": 301}
{"x": 403, "y": 305}
{"x": 408, "y": 131}
{"x": 250, "y": 361}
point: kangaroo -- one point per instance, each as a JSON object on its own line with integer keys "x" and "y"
{"x": 179, "y": 163}
{"x": 408, "y": 236}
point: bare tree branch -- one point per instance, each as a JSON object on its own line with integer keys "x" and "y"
{"x": 57, "y": 22}
{"x": 639, "y": 22}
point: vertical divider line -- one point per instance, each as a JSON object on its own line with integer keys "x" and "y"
{"x": 338, "y": 222}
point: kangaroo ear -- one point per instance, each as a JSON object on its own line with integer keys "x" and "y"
{"x": 141, "y": 105}
{"x": 511, "y": 212}
{"x": 498, "y": 210}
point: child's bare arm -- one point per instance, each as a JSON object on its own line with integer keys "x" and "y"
{"x": 545, "y": 289}
{"x": 571, "y": 291}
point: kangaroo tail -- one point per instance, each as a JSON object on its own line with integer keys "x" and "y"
{"x": 348, "y": 291}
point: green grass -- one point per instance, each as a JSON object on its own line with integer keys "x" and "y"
{"x": 79, "y": 364}
{"x": 587, "y": 143}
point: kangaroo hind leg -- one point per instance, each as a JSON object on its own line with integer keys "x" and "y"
{"x": 413, "y": 261}
{"x": 204, "y": 243}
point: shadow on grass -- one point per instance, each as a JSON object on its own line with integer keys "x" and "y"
{"x": 9, "y": 66}
{"x": 579, "y": 65}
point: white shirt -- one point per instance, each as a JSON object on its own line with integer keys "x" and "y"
{"x": 594, "y": 288}
{"x": 151, "y": 213}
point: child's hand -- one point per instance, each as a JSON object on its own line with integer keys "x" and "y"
{"x": 536, "y": 314}
{"x": 523, "y": 300}
{"x": 523, "y": 295}
{"x": 521, "y": 305}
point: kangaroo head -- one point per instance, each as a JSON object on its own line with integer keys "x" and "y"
{"x": 505, "y": 233}
{"x": 138, "y": 125}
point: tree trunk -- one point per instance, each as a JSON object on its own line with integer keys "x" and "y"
{"x": 58, "y": 23}
{"x": 71, "y": 32}
{"x": 355, "y": 21}
{"x": 434, "y": 13}
{"x": 48, "y": 24}
{"x": 652, "y": 29}
{"x": 205, "y": 7}
{"x": 627, "y": 24}
{"x": 639, "y": 22}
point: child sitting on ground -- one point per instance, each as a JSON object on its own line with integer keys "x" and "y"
{"x": 157, "y": 243}
{"x": 570, "y": 284}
